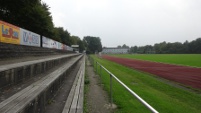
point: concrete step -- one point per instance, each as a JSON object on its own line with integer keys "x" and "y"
{"x": 74, "y": 102}
{"x": 33, "y": 98}
{"x": 12, "y": 74}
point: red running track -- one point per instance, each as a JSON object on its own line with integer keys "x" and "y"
{"x": 182, "y": 74}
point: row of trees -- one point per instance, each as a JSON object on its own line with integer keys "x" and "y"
{"x": 32, "y": 15}
{"x": 167, "y": 48}
{"x": 35, "y": 16}
{"x": 123, "y": 46}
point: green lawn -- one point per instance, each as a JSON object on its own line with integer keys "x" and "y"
{"x": 181, "y": 59}
{"x": 162, "y": 96}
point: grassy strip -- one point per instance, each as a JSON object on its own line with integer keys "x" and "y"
{"x": 86, "y": 89}
{"x": 163, "y": 97}
{"x": 181, "y": 59}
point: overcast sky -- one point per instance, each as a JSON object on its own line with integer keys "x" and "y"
{"x": 130, "y": 22}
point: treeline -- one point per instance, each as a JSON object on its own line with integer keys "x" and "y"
{"x": 35, "y": 16}
{"x": 193, "y": 47}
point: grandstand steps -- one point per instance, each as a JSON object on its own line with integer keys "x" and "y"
{"x": 27, "y": 83}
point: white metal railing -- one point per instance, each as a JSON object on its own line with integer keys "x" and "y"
{"x": 127, "y": 88}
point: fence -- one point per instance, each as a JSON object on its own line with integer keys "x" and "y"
{"x": 96, "y": 64}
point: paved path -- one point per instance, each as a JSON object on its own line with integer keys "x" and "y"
{"x": 97, "y": 99}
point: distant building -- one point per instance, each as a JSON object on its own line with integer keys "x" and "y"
{"x": 115, "y": 50}
{"x": 75, "y": 48}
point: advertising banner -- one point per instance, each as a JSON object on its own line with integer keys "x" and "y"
{"x": 9, "y": 33}
{"x": 29, "y": 38}
{"x": 64, "y": 47}
{"x": 60, "y": 45}
{"x": 69, "y": 48}
{"x": 54, "y": 44}
{"x": 49, "y": 43}
{"x": 46, "y": 42}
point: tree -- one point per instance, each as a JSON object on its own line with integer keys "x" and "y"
{"x": 172, "y": 48}
{"x": 28, "y": 14}
{"x": 134, "y": 49}
{"x": 35, "y": 16}
{"x": 93, "y": 44}
{"x": 75, "y": 40}
{"x": 195, "y": 46}
{"x": 62, "y": 36}
{"x": 81, "y": 46}
{"x": 148, "y": 49}
{"x": 186, "y": 46}
{"x": 125, "y": 46}
{"x": 159, "y": 48}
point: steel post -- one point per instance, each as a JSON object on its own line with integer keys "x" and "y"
{"x": 111, "y": 100}
{"x": 96, "y": 68}
{"x": 100, "y": 70}
{"x": 100, "y": 74}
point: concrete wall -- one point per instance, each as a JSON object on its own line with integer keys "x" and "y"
{"x": 12, "y": 50}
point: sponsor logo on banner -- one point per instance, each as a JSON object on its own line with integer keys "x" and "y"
{"x": 54, "y": 44}
{"x": 29, "y": 38}
{"x": 49, "y": 43}
{"x": 60, "y": 46}
{"x": 46, "y": 42}
{"x": 9, "y": 33}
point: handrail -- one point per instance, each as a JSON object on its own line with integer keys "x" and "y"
{"x": 132, "y": 92}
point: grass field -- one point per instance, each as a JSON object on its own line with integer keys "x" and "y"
{"x": 181, "y": 59}
{"x": 163, "y": 97}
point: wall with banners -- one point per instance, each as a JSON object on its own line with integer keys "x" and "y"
{"x": 29, "y": 38}
{"x": 49, "y": 43}
{"x": 16, "y": 35}
{"x": 9, "y": 33}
